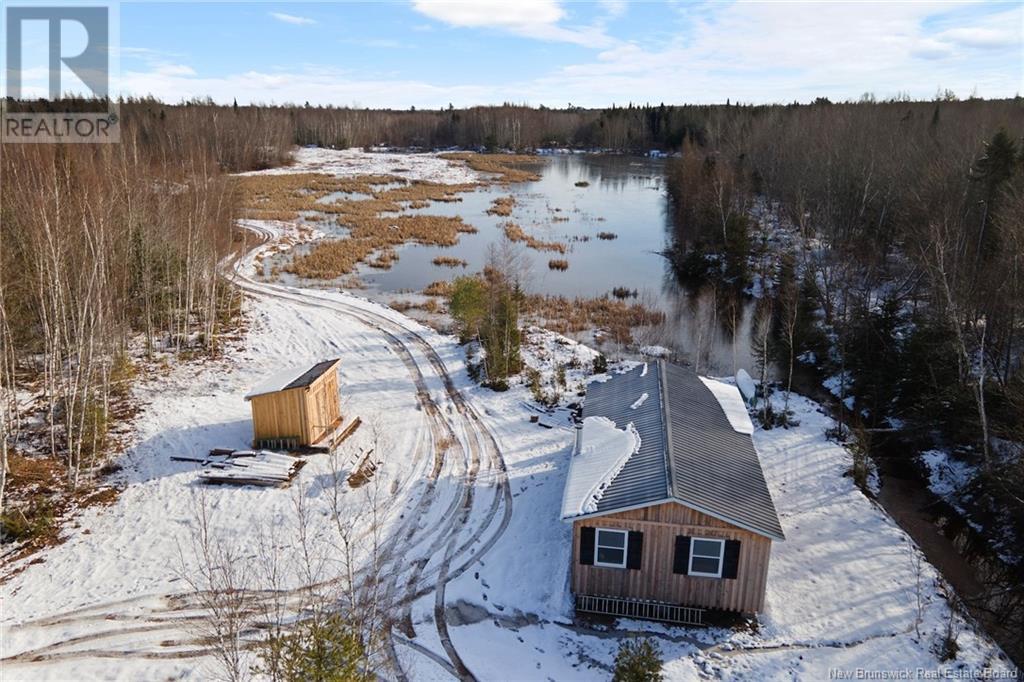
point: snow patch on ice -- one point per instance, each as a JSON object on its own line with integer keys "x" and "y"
{"x": 639, "y": 401}
{"x": 350, "y": 162}
{"x": 732, "y": 404}
{"x": 605, "y": 450}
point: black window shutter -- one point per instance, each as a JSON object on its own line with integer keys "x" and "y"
{"x": 731, "y": 560}
{"x": 635, "y": 553}
{"x": 681, "y": 563}
{"x": 587, "y": 545}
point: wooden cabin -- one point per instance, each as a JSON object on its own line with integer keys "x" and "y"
{"x": 296, "y": 407}
{"x": 670, "y": 510}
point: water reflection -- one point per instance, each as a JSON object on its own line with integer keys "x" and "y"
{"x": 706, "y": 325}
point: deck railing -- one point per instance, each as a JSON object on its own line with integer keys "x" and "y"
{"x": 638, "y": 608}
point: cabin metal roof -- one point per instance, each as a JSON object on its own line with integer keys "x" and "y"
{"x": 292, "y": 377}
{"x": 689, "y": 452}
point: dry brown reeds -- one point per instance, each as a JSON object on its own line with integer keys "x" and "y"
{"x": 502, "y": 206}
{"x": 384, "y": 259}
{"x": 515, "y": 233}
{"x": 368, "y": 235}
{"x": 558, "y": 264}
{"x": 505, "y": 166}
{"x": 283, "y": 196}
{"x": 439, "y": 288}
{"x": 371, "y": 229}
{"x": 449, "y": 262}
{"x": 569, "y": 315}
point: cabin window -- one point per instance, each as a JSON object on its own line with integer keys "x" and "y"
{"x": 610, "y": 548}
{"x": 706, "y": 557}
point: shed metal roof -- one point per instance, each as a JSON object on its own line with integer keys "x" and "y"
{"x": 293, "y": 377}
{"x": 690, "y": 453}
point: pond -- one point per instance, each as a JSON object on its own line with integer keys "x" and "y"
{"x": 578, "y": 197}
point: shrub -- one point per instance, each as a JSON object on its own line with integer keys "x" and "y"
{"x": 600, "y": 364}
{"x": 326, "y": 648}
{"x": 638, "y": 660}
{"x": 560, "y": 376}
{"x": 26, "y": 524}
{"x": 533, "y": 380}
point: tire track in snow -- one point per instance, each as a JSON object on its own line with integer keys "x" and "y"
{"x": 479, "y": 438}
{"x": 477, "y": 446}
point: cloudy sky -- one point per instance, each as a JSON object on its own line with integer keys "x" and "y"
{"x": 429, "y": 54}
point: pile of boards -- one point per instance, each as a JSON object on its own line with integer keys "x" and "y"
{"x": 248, "y": 467}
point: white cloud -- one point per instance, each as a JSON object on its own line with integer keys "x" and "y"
{"x": 519, "y": 14}
{"x": 174, "y": 70}
{"x": 538, "y": 19}
{"x": 780, "y": 52}
{"x": 614, "y": 8}
{"x": 770, "y": 52}
{"x": 292, "y": 19}
{"x": 985, "y": 38}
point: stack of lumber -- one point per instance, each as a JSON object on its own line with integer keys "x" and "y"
{"x": 248, "y": 467}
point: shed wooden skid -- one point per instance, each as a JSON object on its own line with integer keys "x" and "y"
{"x": 297, "y": 412}
{"x": 656, "y": 579}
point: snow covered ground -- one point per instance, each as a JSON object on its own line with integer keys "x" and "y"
{"x": 349, "y": 162}
{"x": 842, "y": 589}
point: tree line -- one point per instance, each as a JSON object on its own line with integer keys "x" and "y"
{"x": 903, "y": 278}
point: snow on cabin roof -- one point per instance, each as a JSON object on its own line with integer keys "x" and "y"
{"x": 695, "y": 449}
{"x": 292, "y": 377}
{"x": 605, "y": 450}
{"x": 731, "y": 402}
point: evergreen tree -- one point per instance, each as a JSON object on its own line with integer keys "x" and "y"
{"x": 638, "y": 660}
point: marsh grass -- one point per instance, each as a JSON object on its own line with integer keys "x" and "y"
{"x": 515, "y": 233}
{"x": 333, "y": 258}
{"x": 502, "y": 206}
{"x": 449, "y": 262}
{"x": 364, "y": 204}
{"x": 572, "y": 315}
{"x": 384, "y": 259}
{"x": 558, "y": 264}
{"x": 624, "y": 292}
{"x": 506, "y": 166}
{"x": 607, "y": 236}
{"x": 441, "y": 287}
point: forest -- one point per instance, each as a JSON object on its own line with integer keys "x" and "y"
{"x": 904, "y": 280}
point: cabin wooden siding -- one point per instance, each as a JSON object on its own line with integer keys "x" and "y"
{"x": 655, "y": 580}
{"x": 306, "y": 413}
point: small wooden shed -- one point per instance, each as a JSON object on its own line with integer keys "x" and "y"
{"x": 670, "y": 510}
{"x": 296, "y": 407}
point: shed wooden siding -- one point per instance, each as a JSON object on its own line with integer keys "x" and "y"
{"x": 655, "y": 580}
{"x": 322, "y": 408}
{"x": 306, "y": 413}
